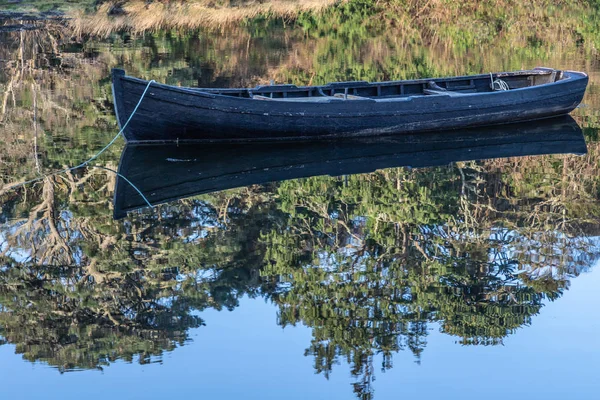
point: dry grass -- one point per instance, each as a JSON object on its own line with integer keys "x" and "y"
{"x": 139, "y": 16}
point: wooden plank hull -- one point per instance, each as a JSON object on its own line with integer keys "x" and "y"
{"x": 172, "y": 114}
{"x": 169, "y": 172}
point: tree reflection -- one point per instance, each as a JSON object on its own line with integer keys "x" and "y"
{"x": 369, "y": 262}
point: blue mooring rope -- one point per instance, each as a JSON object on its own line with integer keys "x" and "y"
{"x": 83, "y": 164}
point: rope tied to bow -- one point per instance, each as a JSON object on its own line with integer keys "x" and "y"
{"x": 95, "y": 156}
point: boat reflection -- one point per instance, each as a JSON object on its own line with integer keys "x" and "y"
{"x": 164, "y": 173}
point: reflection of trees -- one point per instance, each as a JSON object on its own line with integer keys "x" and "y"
{"x": 75, "y": 317}
{"x": 51, "y": 115}
{"x": 366, "y": 261}
{"x": 86, "y": 292}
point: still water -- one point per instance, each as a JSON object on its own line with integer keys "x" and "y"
{"x": 433, "y": 266}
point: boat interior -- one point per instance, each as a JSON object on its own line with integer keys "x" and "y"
{"x": 393, "y": 90}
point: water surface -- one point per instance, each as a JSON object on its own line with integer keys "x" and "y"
{"x": 471, "y": 271}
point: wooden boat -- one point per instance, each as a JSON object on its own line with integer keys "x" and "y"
{"x": 344, "y": 109}
{"x": 165, "y": 173}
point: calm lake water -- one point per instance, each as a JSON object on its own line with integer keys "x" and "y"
{"x": 435, "y": 266}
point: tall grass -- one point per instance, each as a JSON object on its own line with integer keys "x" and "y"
{"x": 139, "y": 16}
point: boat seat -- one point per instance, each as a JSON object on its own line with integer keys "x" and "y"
{"x": 442, "y": 92}
{"x": 350, "y": 97}
{"x": 435, "y": 89}
{"x": 313, "y": 99}
{"x": 319, "y": 99}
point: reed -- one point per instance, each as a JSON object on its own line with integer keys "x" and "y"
{"x": 139, "y": 16}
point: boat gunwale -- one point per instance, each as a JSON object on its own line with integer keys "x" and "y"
{"x": 385, "y": 113}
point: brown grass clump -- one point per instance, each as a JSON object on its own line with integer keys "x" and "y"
{"x": 139, "y": 16}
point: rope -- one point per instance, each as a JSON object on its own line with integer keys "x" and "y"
{"x": 83, "y": 164}
{"x": 126, "y": 180}
{"x": 502, "y": 85}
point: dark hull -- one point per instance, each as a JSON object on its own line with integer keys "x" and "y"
{"x": 172, "y": 114}
{"x": 166, "y": 173}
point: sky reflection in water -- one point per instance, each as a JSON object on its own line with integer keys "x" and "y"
{"x": 245, "y": 354}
